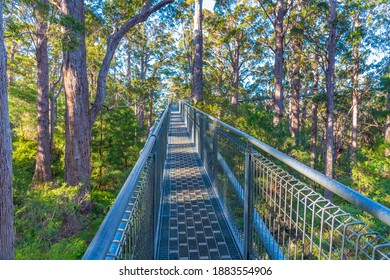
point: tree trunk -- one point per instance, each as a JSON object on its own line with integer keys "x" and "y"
{"x": 198, "y": 55}
{"x": 141, "y": 112}
{"x": 101, "y": 143}
{"x": 6, "y": 198}
{"x": 296, "y": 82}
{"x": 278, "y": 66}
{"x": 303, "y": 114}
{"x": 331, "y": 53}
{"x": 43, "y": 159}
{"x": 236, "y": 73}
{"x": 314, "y": 114}
{"x": 387, "y": 125}
{"x": 150, "y": 117}
{"x": 53, "y": 109}
{"x": 11, "y": 72}
{"x": 314, "y": 122}
{"x": 77, "y": 117}
{"x": 141, "y": 105}
{"x": 128, "y": 74}
{"x": 355, "y": 81}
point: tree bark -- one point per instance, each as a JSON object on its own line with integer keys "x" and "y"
{"x": 236, "y": 73}
{"x": 198, "y": 55}
{"x": 387, "y": 130}
{"x": 79, "y": 118}
{"x": 150, "y": 116}
{"x": 128, "y": 74}
{"x": 314, "y": 115}
{"x": 6, "y": 198}
{"x": 141, "y": 104}
{"x": 43, "y": 159}
{"x": 77, "y": 115}
{"x": 296, "y": 80}
{"x": 355, "y": 93}
{"x": 11, "y": 72}
{"x": 141, "y": 112}
{"x": 387, "y": 125}
{"x": 303, "y": 114}
{"x": 314, "y": 121}
{"x": 278, "y": 66}
{"x": 331, "y": 56}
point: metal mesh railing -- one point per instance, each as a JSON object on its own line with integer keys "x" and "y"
{"x": 272, "y": 214}
{"x": 304, "y": 224}
{"x": 129, "y": 229}
{"x": 134, "y": 235}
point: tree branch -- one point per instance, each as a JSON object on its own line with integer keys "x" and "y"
{"x": 112, "y": 44}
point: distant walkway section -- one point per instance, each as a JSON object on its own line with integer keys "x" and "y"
{"x": 192, "y": 225}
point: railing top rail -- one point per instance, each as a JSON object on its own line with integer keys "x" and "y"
{"x": 101, "y": 243}
{"x": 376, "y": 209}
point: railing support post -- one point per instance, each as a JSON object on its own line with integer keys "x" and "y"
{"x": 201, "y": 141}
{"x": 248, "y": 204}
{"x": 194, "y": 128}
{"x": 155, "y": 183}
{"x": 214, "y": 135}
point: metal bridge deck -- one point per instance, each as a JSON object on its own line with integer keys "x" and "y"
{"x": 192, "y": 224}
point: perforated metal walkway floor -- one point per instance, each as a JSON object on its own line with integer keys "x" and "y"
{"x": 192, "y": 225}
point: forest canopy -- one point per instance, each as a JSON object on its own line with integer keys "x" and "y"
{"x": 83, "y": 82}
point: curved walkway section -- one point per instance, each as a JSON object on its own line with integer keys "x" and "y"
{"x": 192, "y": 224}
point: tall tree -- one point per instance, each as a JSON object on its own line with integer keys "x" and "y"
{"x": 230, "y": 54}
{"x": 355, "y": 87}
{"x": 387, "y": 125}
{"x": 79, "y": 117}
{"x": 296, "y": 80}
{"x": 385, "y": 83}
{"x": 43, "y": 159}
{"x": 330, "y": 84}
{"x": 278, "y": 64}
{"x": 314, "y": 112}
{"x": 275, "y": 12}
{"x": 6, "y": 197}
{"x": 197, "y": 83}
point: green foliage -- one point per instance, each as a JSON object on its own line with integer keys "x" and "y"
{"x": 23, "y": 123}
{"x": 47, "y": 220}
{"x": 73, "y": 27}
{"x": 116, "y": 144}
{"x": 51, "y": 221}
{"x": 23, "y": 163}
{"x": 371, "y": 175}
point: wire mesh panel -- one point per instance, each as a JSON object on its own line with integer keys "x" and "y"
{"x": 134, "y": 239}
{"x": 304, "y": 224}
{"x": 231, "y": 179}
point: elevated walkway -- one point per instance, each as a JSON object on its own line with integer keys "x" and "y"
{"x": 192, "y": 223}
{"x": 202, "y": 189}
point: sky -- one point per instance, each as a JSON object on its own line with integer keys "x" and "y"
{"x": 208, "y": 4}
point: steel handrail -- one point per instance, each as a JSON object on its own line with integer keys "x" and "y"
{"x": 376, "y": 209}
{"x": 102, "y": 241}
